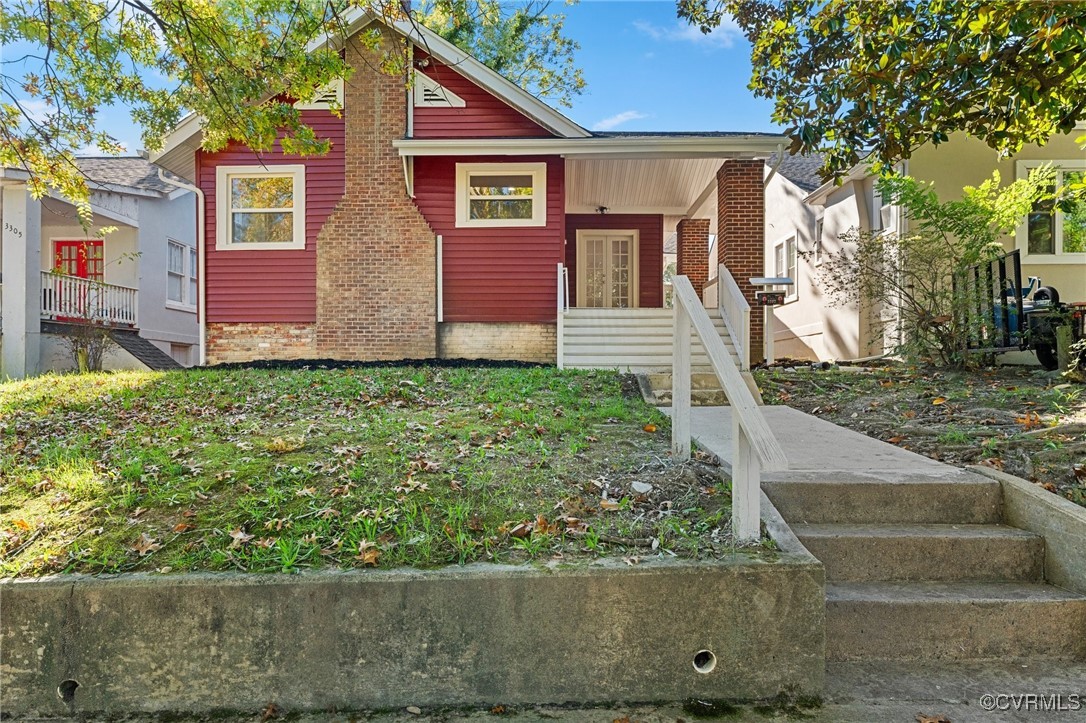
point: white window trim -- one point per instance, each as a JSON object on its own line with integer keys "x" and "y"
{"x": 818, "y": 252}
{"x": 791, "y": 293}
{"x": 1021, "y": 236}
{"x": 223, "y": 227}
{"x": 187, "y": 276}
{"x": 538, "y": 172}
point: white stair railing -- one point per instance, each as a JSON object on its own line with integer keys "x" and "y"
{"x": 736, "y": 312}
{"x": 563, "y": 307}
{"x": 754, "y": 447}
{"x": 77, "y": 300}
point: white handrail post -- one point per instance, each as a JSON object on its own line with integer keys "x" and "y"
{"x": 561, "y": 321}
{"x": 680, "y": 385}
{"x": 746, "y": 481}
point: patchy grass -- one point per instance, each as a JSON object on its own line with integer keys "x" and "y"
{"x": 262, "y": 470}
{"x": 1013, "y": 419}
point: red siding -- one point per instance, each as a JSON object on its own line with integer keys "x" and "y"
{"x": 484, "y": 116}
{"x": 272, "y": 286}
{"x": 650, "y": 256}
{"x": 494, "y": 274}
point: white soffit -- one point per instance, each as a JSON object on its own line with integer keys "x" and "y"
{"x": 656, "y": 185}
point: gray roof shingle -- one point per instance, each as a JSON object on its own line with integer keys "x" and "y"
{"x": 131, "y": 171}
{"x": 804, "y": 171}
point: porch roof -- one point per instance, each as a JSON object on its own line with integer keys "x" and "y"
{"x": 630, "y": 146}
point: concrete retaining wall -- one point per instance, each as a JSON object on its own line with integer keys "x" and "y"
{"x": 481, "y": 634}
{"x": 1061, "y": 522}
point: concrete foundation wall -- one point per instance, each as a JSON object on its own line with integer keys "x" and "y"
{"x": 477, "y": 635}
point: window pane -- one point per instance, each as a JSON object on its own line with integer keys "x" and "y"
{"x": 192, "y": 263}
{"x": 518, "y": 208}
{"x": 1074, "y": 220}
{"x": 263, "y": 227}
{"x": 1040, "y": 229}
{"x": 174, "y": 286}
{"x": 176, "y": 261}
{"x": 192, "y": 292}
{"x": 262, "y": 192}
{"x": 497, "y": 185}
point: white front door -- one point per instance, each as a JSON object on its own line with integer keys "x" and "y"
{"x": 607, "y": 269}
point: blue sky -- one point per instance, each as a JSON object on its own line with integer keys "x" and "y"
{"x": 644, "y": 68}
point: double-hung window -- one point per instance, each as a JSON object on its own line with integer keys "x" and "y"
{"x": 260, "y": 207}
{"x": 784, "y": 264}
{"x": 180, "y": 274}
{"x": 501, "y": 194}
{"x": 1051, "y": 235}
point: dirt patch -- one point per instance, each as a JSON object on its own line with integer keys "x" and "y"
{"x": 1024, "y": 422}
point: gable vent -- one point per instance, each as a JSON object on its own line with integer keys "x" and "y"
{"x": 431, "y": 94}
{"x": 329, "y": 94}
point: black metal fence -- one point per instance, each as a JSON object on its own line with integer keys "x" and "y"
{"x": 988, "y": 302}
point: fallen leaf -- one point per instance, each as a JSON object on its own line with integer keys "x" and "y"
{"x": 240, "y": 537}
{"x": 271, "y": 711}
{"x": 188, "y": 514}
{"x": 1029, "y": 420}
{"x": 650, "y": 428}
{"x": 922, "y": 718}
{"x": 455, "y": 485}
{"x": 413, "y": 710}
{"x": 368, "y": 553}
{"x": 896, "y": 440}
{"x": 632, "y": 560}
{"x": 520, "y": 531}
{"x": 994, "y": 463}
{"x": 145, "y": 545}
{"x": 183, "y": 527}
{"x": 609, "y": 505}
{"x": 909, "y": 414}
{"x": 21, "y": 524}
{"x": 1079, "y": 471}
{"x": 939, "y": 400}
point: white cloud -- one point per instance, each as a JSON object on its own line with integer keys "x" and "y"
{"x": 93, "y": 150}
{"x": 618, "y": 119}
{"x": 36, "y": 109}
{"x": 723, "y": 36}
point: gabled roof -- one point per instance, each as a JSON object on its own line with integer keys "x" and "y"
{"x": 804, "y": 171}
{"x": 116, "y": 173}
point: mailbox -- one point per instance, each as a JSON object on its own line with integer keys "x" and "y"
{"x": 769, "y": 298}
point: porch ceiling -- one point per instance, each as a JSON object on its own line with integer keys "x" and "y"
{"x": 643, "y": 185}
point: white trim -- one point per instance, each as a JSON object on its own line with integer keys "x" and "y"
{"x": 724, "y": 147}
{"x": 320, "y": 101}
{"x": 635, "y": 264}
{"x": 222, "y": 205}
{"x": 538, "y": 172}
{"x": 1021, "y": 235}
{"x": 791, "y": 294}
{"x": 428, "y": 93}
{"x": 818, "y": 250}
{"x": 174, "y": 306}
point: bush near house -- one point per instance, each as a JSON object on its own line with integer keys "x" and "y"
{"x": 275, "y": 470}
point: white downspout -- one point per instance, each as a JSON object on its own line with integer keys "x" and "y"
{"x": 201, "y": 261}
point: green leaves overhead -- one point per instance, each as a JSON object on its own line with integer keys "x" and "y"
{"x": 888, "y": 76}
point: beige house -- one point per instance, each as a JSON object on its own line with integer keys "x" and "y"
{"x": 805, "y": 219}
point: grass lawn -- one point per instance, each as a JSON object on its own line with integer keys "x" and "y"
{"x": 261, "y": 470}
{"x": 1010, "y": 418}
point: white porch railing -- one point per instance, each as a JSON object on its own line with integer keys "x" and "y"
{"x": 563, "y": 307}
{"x": 76, "y": 300}
{"x": 754, "y": 447}
{"x": 736, "y": 313}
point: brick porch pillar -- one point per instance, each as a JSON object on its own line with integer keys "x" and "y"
{"x": 692, "y": 251}
{"x": 741, "y": 235}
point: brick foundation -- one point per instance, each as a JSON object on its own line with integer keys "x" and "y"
{"x": 376, "y": 268}
{"x": 692, "y": 252}
{"x": 741, "y": 234}
{"x": 243, "y": 342}
{"x": 515, "y": 341}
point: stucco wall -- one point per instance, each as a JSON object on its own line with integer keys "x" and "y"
{"x": 965, "y": 161}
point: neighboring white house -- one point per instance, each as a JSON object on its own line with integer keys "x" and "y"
{"x": 138, "y": 279}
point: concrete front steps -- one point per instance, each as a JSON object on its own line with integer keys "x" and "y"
{"x": 923, "y": 569}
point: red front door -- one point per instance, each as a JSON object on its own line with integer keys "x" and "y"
{"x": 79, "y": 258}
{"x": 83, "y": 259}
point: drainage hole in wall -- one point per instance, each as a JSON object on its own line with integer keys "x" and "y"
{"x": 66, "y": 690}
{"x": 704, "y": 661}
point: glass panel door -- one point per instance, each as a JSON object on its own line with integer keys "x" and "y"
{"x": 607, "y": 270}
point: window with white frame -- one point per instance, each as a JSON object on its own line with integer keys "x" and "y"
{"x": 1049, "y": 233}
{"x": 784, "y": 264}
{"x": 180, "y": 273}
{"x": 260, "y": 207}
{"x": 501, "y": 194}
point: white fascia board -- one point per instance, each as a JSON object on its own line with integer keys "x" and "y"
{"x": 98, "y": 211}
{"x": 13, "y": 176}
{"x": 857, "y": 173}
{"x": 588, "y": 148}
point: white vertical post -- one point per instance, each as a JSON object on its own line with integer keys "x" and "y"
{"x": 768, "y": 329}
{"x": 680, "y": 385}
{"x": 561, "y": 320}
{"x": 746, "y": 473}
{"x": 440, "y": 278}
{"x": 21, "y": 261}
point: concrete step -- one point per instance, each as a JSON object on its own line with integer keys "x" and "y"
{"x": 953, "y": 621}
{"x": 967, "y": 499}
{"x": 860, "y": 553}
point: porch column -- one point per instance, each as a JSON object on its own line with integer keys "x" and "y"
{"x": 741, "y": 235}
{"x": 692, "y": 252}
{"x": 20, "y": 297}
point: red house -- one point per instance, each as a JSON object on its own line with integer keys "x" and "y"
{"x": 450, "y": 219}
